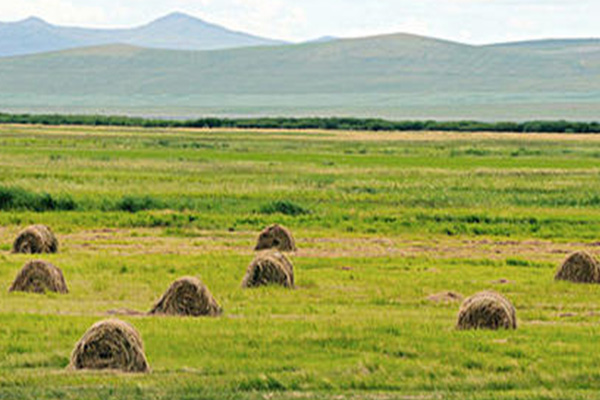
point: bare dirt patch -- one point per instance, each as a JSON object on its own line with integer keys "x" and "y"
{"x": 502, "y": 282}
{"x": 445, "y": 297}
{"x": 126, "y": 312}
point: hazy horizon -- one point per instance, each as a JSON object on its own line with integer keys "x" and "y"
{"x": 467, "y": 21}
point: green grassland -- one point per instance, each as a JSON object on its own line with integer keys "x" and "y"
{"x": 382, "y": 221}
{"x": 395, "y": 76}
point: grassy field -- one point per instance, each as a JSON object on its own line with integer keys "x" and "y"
{"x": 382, "y": 221}
{"x": 396, "y": 77}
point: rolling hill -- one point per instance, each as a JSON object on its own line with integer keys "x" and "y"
{"x": 393, "y": 76}
{"x": 174, "y": 31}
{"x": 556, "y": 46}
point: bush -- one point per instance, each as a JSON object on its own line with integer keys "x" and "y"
{"x": 16, "y": 198}
{"x": 134, "y": 204}
{"x": 285, "y": 207}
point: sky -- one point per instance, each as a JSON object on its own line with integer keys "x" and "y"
{"x": 469, "y": 21}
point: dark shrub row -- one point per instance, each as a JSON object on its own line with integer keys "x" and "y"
{"x": 15, "y": 198}
{"x": 370, "y": 124}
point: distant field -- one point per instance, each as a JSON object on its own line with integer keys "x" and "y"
{"x": 468, "y": 105}
{"x": 382, "y": 221}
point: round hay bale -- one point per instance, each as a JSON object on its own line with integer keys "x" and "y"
{"x": 487, "y": 310}
{"x": 276, "y": 237}
{"x": 187, "y": 296}
{"x": 39, "y": 277}
{"x": 110, "y": 344}
{"x": 35, "y": 239}
{"x": 579, "y": 267}
{"x": 269, "y": 268}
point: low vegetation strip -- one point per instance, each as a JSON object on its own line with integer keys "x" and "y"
{"x": 369, "y": 124}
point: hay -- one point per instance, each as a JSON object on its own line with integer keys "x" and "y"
{"x": 110, "y": 344}
{"x": 269, "y": 268}
{"x": 579, "y": 267}
{"x": 187, "y": 297}
{"x": 35, "y": 239}
{"x": 487, "y": 310}
{"x": 39, "y": 277}
{"x": 445, "y": 297}
{"x": 126, "y": 312}
{"x": 276, "y": 237}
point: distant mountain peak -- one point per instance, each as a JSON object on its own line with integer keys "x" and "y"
{"x": 178, "y": 17}
{"x": 31, "y": 21}
{"x": 176, "y": 31}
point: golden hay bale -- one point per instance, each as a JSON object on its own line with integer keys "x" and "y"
{"x": 39, "y": 277}
{"x": 35, "y": 239}
{"x": 271, "y": 267}
{"x": 110, "y": 344}
{"x": 187, "y": 296}
{"x": 579, "y": 267}
{"x": 487, "y": 310}
{"x": 276, "y": 237}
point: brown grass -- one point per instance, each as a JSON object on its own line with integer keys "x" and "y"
{"x": 487, "y": 310}
{"x": 445, "y": 297}
{"x": 579, "y": 267}
{"x": 276, "y": 237}
{"x": 187, "y": 297}
{"x": 35, "y": 239}
{"x": 39, "y": 277}
{"x": 269, "y": 268}
{"x": 111, "y": 344}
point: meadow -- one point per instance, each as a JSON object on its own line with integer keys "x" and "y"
{"x": 382, "y": 220}
{"x": 397, "y": 76}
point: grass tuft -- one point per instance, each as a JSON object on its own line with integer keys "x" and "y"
{"x": 284, "y": 207}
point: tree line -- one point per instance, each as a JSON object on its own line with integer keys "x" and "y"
{"x": 363, "y": 124}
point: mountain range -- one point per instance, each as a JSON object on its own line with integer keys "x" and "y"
{"x": 175, "y": 31}
{"x": 393, "y": 76}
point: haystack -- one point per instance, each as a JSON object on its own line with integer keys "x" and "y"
{"x": 276, "y": 237}
{"x": 35, "y": 239}
{"x": 110, "y": 344}
{"x": 187, "y": 297}
{"x": 269, "y": 268}
{"x": 487, "y": 310}
{"x": 39, "y": 277}
{"x": 579, "y": 267}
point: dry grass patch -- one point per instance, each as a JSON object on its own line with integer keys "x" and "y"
{"x": 445, "y": 297}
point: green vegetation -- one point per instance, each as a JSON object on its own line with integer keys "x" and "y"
{"x": 14, "y": 198}
{"x": 284, "y": 207}
{"x": 383, "y": 220}
{"x": 348, "y": 124}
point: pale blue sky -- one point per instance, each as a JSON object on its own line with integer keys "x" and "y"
{"x": 472, "y": 21}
